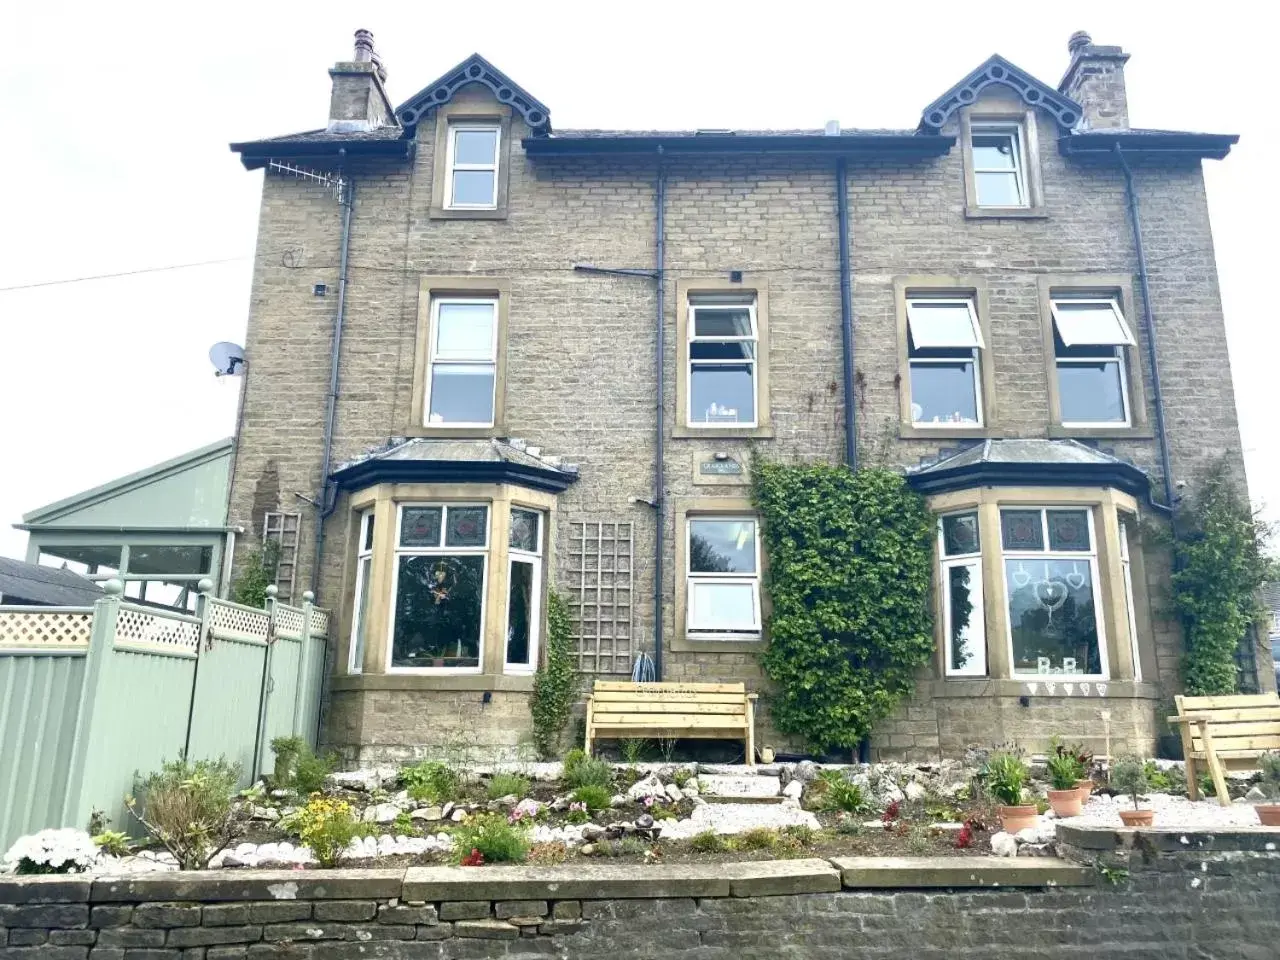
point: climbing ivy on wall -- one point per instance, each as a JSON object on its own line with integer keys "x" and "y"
{"x": 1220, "y": 563}
{"x": 257, "y": 572}
{"x": 555, "y": 685}
{"x": 850, "y": 557}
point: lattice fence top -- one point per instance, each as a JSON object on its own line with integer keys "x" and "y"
{"x": 230, "y": 621}
{"x": 319, "y": 623}
{"x": 138, "y": 629}
{"x": 45, "y": 630}
{"x": 599, "y": 590}
{"x": 289, "y": 621}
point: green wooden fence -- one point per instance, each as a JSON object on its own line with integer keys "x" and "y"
{"x": 90, "y": 696}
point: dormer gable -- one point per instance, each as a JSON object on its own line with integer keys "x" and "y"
{"x": 996, "y": 70}
{"x": 476, "y": 70}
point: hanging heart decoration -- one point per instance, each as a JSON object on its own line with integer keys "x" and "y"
{"x": 1084, "y": 689}
{"x": 1051, "y": 688}
{"x": 1021, "y": 577}
{"x": 1051, "y": 594}
{"x": 1075, "y": 579}
{"x": 1068, "y": 688}
{"x": 1101, "y": 688}
{"x": 1032, "y": 688}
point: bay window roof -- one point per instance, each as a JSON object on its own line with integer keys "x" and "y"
{"x": 430, "y": 460}
{"x": 1029, "y": 463}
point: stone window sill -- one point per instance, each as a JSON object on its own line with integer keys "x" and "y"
{"x": 1138, "y": 432}
{"x": 981, "y": 687}
{"x": 461, "y": 433}
{"x": 441, "y": 213}
{"x": 1005, "y": 213}
{"x": 909, "y": 431}
{"x": 700, "y": 645}
{"x": 508, "y": 683}
{"x": 683, "y": 432}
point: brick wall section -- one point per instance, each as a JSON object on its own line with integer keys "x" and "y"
{"x": 1169, "y": 903}
{"x": 580, "y": 360}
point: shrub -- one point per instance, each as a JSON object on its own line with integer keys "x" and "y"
{"x": 548, "y": 854}
{"x": 65, "y": 850}
{"x": 402, "y": 824}
{"x": 555, "y": 685}
{"x": 849, "y": 827}
{"x": 708, "y": 842}
{"x": 918, "y": 840}
{"x": 327, "y": 826}
{"x": 431, "y": 781}
{"x": 507, "y": 785}
{"x": 1064, "y": 771}
{"x": 632, "y": 847}
{"x": 496, "y": 840}
{"x": 633, "y": 749}
{"x": 1129, "y": 775}
{"x": 595, "y": 798}
{"x": 187, "y": 808}
{"x": 1269, "y": 764}
{"x": 838, "y": 793}
{"x": 757, "y": 838}
{"x": 801, "y": 834}
{"x": 849, "y": 574}
{"x": 581, "y": 770}
{"x": 682, "y": 776}
{"x": 257, "y": 572}
{"x": 112, "y": 842}
{"x": 1005, "y": 776}
{"x": 1157, "y": 779}
{"x": 298, "y": 767}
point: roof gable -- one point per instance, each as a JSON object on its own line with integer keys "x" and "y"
{"x": 476, "y": 69}
{"x": 998, "y": 70}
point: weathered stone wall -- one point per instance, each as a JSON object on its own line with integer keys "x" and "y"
{"x": 580, "y": 353}
{"x": 1211, "y": 905}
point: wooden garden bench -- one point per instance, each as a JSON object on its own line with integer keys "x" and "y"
{"x": 1226, "y": 733}
{"x": 704, "y": 711}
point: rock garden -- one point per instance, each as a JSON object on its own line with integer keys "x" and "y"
{"x": 190, "y": 816}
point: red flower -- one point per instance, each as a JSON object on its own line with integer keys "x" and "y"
{"x": 964, "y": 838}
{"x": 473, "y": 859}
{"x": 891, "y": 814}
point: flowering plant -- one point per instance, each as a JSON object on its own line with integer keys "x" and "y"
{"x": 65, "y": 850}
{"x": 578, "y": 812}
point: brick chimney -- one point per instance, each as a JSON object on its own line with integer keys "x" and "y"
{"x": 1095, "y": 80}
{"x": 359, "y": 101}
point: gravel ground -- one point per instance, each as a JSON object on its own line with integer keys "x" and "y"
{"x": 1171, "y": 812}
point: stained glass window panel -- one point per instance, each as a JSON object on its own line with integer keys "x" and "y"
{"x": 420, "y": 527}
{"x": 1021, "y": 530}
{"x": 466, "y": 526}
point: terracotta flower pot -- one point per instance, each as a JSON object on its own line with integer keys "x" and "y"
{"x": 1268, "y": 814}
{"x": 1137, "y": 818}
{"x": 1086, "y": 789}
{"x": 1013, "y": 819}
{"x": 1067, "y": 803}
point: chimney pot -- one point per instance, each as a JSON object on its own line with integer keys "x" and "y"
{"x": 1095, "y": 80}
{"x": 1079, "y": 40}
{"x": 364, "y": 47}
{"x": 359, "y": 101}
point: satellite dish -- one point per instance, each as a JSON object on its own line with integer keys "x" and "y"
{"x": 227, "y": 359}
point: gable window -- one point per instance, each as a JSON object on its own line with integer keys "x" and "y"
{"x": 524, "y": 590}
{"x": 472, "y": 166}
{"x": 463, "y": 361}
{"x": 723, "y": 577}
{"x": 1051, "y": 581}
{"x": 999, "y": 165}
{"x": 360, "y": 616}
{"x": 1089, "y": 339}
{"x": 964, "y": 621}
{"x": 438, "y": 585}
{"x": 943, "y": 360}
{"x": 722, "y": 362}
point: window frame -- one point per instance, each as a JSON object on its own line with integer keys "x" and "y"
{"x": 363, "y": 586}
{"x": 437, "y": 301}
{"x": 975, "y": 560}
{"x": 397, "y": 551}
{"x": 976, "y": 353}
{"x": 1016, "y": 131}
{"x": 1130, "y": 607}
{"x": 1106, "y": 353}
{"x": 691, "y": 578}
{"x": 696, "y": 303}
{"x": 454, "y": 127}
{"x": 1093, "y": 555}
{"x": 996, "y": 106}
{"x": 534, "y": 559}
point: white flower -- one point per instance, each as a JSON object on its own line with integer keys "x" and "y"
{"x": 65, "y": 850}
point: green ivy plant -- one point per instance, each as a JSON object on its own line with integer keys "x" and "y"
{"x": 257, "y": 572}
{"x": 849, "y": 572}
{"x": 1220, "y": 563}
{"x": 555, "y": 685}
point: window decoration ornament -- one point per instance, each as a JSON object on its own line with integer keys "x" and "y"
{"x": 998, "y": 70}
{"x": 476, "y": 69}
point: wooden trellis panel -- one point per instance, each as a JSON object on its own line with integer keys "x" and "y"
{"x": 600, "y": 594}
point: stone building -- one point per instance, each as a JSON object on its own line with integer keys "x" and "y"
{"x": 487, "y": 356}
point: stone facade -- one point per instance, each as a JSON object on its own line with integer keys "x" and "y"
{"x": 580, "y": 372}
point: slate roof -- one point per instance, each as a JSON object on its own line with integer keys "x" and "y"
{"x": 22, "y": 582}
{"x": 430, "y": 459}
{"x": 1023, "y": 451}
{"x": 1028, "y": 463}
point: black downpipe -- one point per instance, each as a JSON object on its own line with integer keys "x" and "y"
{"x": 659, "y": 473}
{"x": 846, "y": 314}
{"x": 1148, "y": 326}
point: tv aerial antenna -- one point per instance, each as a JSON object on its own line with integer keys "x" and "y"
{"x": 335, "y": 184}
{"x": 227, "y": 359}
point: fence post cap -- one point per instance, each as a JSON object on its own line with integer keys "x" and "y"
{"x": 113, "y": 587}
{"x": 309, "y": 597}
{"x": 205, "y": 585}
{"x": 272, "y": 590}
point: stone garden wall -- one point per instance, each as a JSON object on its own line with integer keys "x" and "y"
{"x": 1161, "y": 895}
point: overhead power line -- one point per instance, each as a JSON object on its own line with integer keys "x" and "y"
{"x": 123, "y": 273}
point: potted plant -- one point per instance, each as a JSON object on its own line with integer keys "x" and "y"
{"x": 1083, "y": 759}
{"x": 1129, "y": 775}
{"x": 1269, "y": 813}
{"x": 1064, "y": 777}
{"x": 1006, "y": 779}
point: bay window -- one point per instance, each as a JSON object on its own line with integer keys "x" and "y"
{"x": 722, "y": 356}
{"x": 360, "y": 607}
{"x": 1090, "y": 338}
{"x": 944, "y": 345}
{"x": 524, "y": 590}
{"x": 963, "y": 613}
{"x": 1051, "y": 586}
{"x": 438, "y": 587}
{"x": 722, "y": 577}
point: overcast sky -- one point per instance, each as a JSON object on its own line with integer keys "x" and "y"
{"x": 117, "y": 119}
